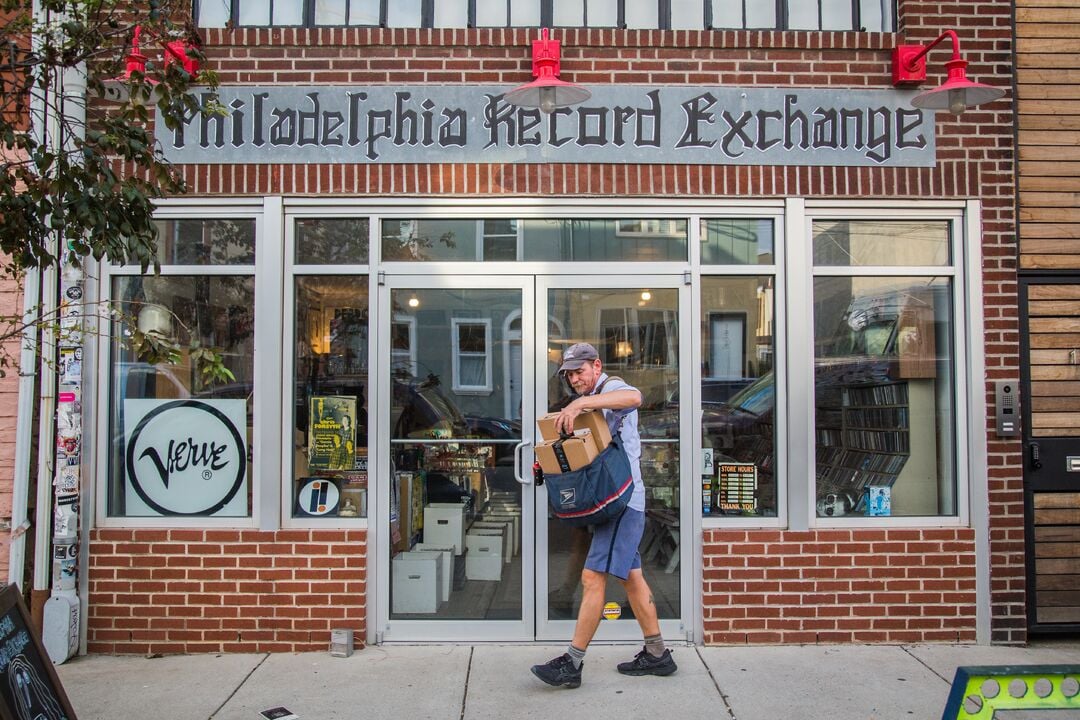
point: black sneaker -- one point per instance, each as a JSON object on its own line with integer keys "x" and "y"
{"x": 645, "y": 664}
{"x": 560, "y": 671}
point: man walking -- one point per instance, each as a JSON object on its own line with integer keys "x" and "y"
{"x": 614, "y": 547}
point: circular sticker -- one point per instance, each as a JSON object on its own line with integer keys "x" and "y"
{"x": 612, "y": 611}
{"x": 318, "y": 497}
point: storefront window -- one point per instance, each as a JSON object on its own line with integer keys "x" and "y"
{"x": 884, "y": 387}
{"x": 330, "y": 411}
{"x": 651, "y": 240}
{"x": 332, "y": 241}
{"x": 738, "y": 395}
{"x": 856, "y": 243}
{"x": 180, "y": 435}
{"x": 206, "y": 242}
{"x": 737, "y": 241}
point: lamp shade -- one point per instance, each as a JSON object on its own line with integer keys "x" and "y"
{"x": 957, "y": 93}
{"x": 547, "y": 93}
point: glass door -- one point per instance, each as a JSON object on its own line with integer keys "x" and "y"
{"x": 455, "y": 537}
{"x": 634, "y": 323}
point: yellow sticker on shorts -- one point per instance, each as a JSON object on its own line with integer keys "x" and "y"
{"x": 612, "y": 611}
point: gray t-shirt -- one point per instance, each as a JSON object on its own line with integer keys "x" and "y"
{"x": 631, "y": 439}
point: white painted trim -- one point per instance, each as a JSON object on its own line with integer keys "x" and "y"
{"x": 456, "y": 356}
{"x": 797, "y": 331}
{"x": 979, "y": 500}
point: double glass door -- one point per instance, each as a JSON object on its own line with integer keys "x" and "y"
{"x": 467, "y": 550}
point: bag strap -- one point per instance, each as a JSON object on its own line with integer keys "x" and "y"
{"x": 600, "y": 388}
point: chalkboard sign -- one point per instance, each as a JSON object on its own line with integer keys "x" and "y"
{"x": 29, "y": 686}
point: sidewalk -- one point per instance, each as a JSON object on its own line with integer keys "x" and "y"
{"x": 460, "y": 682}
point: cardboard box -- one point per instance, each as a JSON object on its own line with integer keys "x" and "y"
{"x": 593, "y": 421}
{"x": 484, "y": 559}
{"x": 416, "y": 583}
{"x": 446, "y": 566}
{"x": 560, "y": 456}
{"x": 444, "y": 525}
{"x": 503, "y": 526}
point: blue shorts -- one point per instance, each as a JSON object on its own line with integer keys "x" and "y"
{"x": 614, "y": 548}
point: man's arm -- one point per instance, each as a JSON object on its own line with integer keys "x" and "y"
{"x": 614, "y": 400}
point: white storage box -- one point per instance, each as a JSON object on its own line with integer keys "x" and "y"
{"x": 484, "y": 559}
{"x": 446, "y": 567}
{"x": 416, "y": 583}
{"x": 515, "y": 527}
{"x": 444, "y": 525}
{"x": 503, "y": 527}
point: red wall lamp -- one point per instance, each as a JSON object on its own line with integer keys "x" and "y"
{"x": 957, "y": 93}
{"x": 547, "y": 91}
{"x": 118, "y": 89}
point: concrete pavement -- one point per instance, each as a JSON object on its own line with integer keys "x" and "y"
{"x": 462, "y": 682}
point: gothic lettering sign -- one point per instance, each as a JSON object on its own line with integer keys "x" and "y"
{"x": 186, "y": 457}
{"x": 619, "y": 124}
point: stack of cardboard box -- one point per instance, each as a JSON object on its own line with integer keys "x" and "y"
{"x": 562, "y": 454}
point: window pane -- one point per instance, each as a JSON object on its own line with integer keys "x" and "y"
{"x": 288, "y": 12}
{"x": 848, "y": 243}
{"x": 603, "y": 13}
{"x": 643, "y": 14}
{"x": 332, "y": 241}
{"x": 687, "y": 15}
{"x": 760, "y": 14}
{"x": 213, "y": 13}
{"x": 254, "y": 12}
{"x": 568, "y": 13}
{"x": 737, "y": 241}
{"x": 884, "y": 387}
{"x": 472, "y": 371}
{"x": 403, "y": 13}
{"x": 738, "y": 392}
{"x": 605, "y": 240}
{"x": 836, "y": 15}
{"x": 727, "y": 13}
{"x": 452, "y": 13}
{"x": 330, "y": 417}
{"x": 206, "y": 242}
{"x": 802, "y": 14}
{"x": 472, "y": 338}
{"x": 428, "y": 240}
{"x": 331, "y": 12}
{"x": 525, "y": 13}
{"x": 364, "y": 12}
{"x": 192, "y": 457}
{"x": 491, "y": 13}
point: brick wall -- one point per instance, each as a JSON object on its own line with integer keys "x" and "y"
{"x": 839, "y": 586}
{"x": 761, "y": 586}
{"x": 190, "y": 591}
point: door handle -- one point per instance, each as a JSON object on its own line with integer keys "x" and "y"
{"x": 522, "y": 479}
{"x": 1033, "y": 450}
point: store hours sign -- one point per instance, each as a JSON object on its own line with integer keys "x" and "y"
{"x": 619, "y": 124}
{"x": 186, "y": 457}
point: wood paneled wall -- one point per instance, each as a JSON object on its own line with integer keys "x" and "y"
{"x": 1048, "y": 91}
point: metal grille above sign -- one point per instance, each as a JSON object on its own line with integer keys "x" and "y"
{"x": 619, "y": 124}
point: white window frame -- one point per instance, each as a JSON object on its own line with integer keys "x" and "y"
{"x": 407, "y": 356}
{"x": 263, "y": 508}
{"x": 457, "y": 354}
{"x": 966, "y": 333}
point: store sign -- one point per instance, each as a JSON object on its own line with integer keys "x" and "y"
{"x": 186, "y": 457}
{"x": 619, "y": 124}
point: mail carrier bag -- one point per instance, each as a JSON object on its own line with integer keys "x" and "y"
{"x": 596, "y": 493}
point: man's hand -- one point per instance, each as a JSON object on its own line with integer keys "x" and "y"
{"x": 564, "y": 423}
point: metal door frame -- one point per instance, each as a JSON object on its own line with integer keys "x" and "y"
{"x": 379, "y": 559}
{"x": 620, "y": 630}
{"x": 1024, "y": 281}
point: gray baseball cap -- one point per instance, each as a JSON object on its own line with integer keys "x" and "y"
{"x": 577, "y": 355}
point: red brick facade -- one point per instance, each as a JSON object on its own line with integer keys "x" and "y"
{"x": 190, "y": 591}
{"x": 193, "y": 590}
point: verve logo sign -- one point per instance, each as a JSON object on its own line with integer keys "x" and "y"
{"x": 185, "y": 457}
